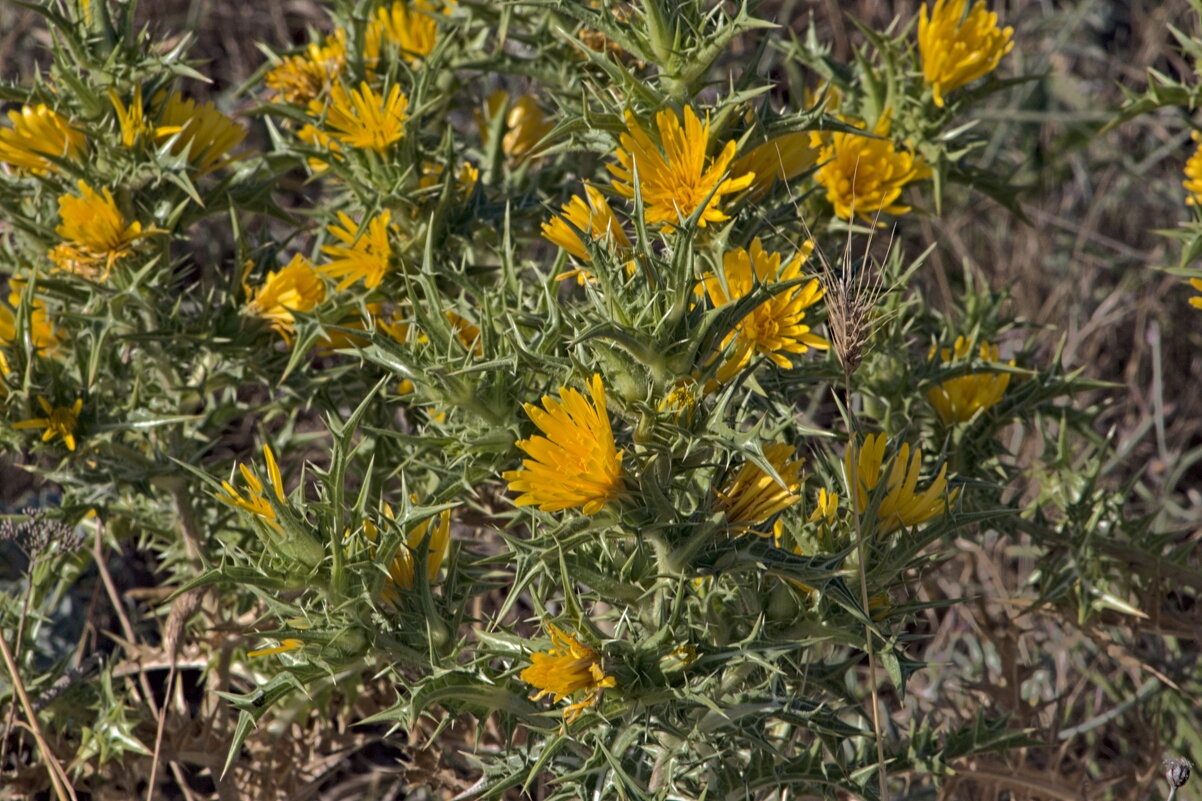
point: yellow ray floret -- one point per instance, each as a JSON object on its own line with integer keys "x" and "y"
{"x": 576, "y": 463}
{"x": 675, "y": 181}
{"x": 956, "y": 49}
{"x": 593, "y": 217}
{"x": 254, "y": 501}
{"x": 568, "y": 667}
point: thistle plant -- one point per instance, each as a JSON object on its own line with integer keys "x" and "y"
{"x": 659, "y": 532}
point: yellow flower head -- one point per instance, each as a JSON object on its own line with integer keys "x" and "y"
{"x": 826, "y": 508}
{"x": 361, "y": 118}
{"x": 412, "y": 30}
{"x": 525, "y": 123}
{"x": 1196, "y": 302}
{"x": 751, "y": 496}
{"x": 567, "y": 667}
{"x": 958, "y": 399}
{"x": 296, "y": 288}
{"x": 365, "y": 251}
{"x": 95, "y": 233}
{"x": 131, "y": 119}
{"x": 254, "y": 500}
{"x": 301, "y": 78}
{"x": 779, "y": 159}
{"x": 681, "y": 402}
{"x": 59, "y": 421}
{"x": 774, "y": 328}
{"x": 676, "y": 181}
{"x": 956, "y": 49}
{"x": 408, "y": 556}
{"x": 201, "y": 132}
{"x": 901, "y": 503}
{"x": 467, "y": 332}
{"x": 42, "y": 335}
{"x": 595, "y": 218}
{"x": 465, "y": 180}
{"x": 1193, "y": 174}
{"x": 576, "y": 463}
{"x": 36, "y": 132}
{"x": 863, "y": 175}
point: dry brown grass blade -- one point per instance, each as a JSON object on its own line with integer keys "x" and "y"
{"x": 58, "y": 777}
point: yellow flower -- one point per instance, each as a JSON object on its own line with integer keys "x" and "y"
{"x": 59, "y": 421}
{"x": 312, "y": 135}
{"x": 1193, "y": 172}
{"x": 39, "y": 131}
{"x": 365, "y": 253}
{"x": 681, "y": 402}
{"x": 595, "y": 218}
{"x": 676, "y": 181}
{"x": 900, "y": 503}
{"x": 466, "y": 180}
{"x": 301, "y": 78}
{"x": 779, "y": 159}
{"x": 525, "y": 123}
{"x": 958, "y": 399}
{"x": 288, "y": 644}
{"x": 413, "y": 31}
{"x": 1196, "y": 283}
{"x": 201, "y": 132}
{"x": 569, "y": 666}
{"x": 132, "y": 119}
{"x": 751, "y": 496}
{"x": 254, "y": 501}
{"x": 296, "y": 288}
{"x": 865, "y": 176}
{"x": 408, "y": 555}
{"x": 576, "y": 464}
{"x": 956, "y": 49}
{"x": 467, "y": 332}
{"x": 774, "y": 328}
{"x": 95, "y": 233}
{"x": 361, "y": 118}
{"x": 825, "y": 508}
{"x": 42, "y": 335}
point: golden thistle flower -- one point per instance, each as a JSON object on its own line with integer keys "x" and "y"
{"x": 901, "y": 503}
{"x": 37, "y": 132}
{"x": 576, "y": 464}
{"x": 681, "y": 402}
{"x": 361, "y": 118}
{"x": 958, "y": 399}
{"x": 956, "y": 49}
{"x": 131, "y": 119}
{"x": 865, "y": 176}
{"x": 59, "y": 421}
{"x": 826, "y": 507}
{"x": 467, "y": 332}
{"x": 569, "y": 666}
{"x": 254, "y": 501}
{"x": 1196, "y": 302}
{"x": 676, "y": 181}
{"x": 595, "y": 218}
{"x": 310, "y": 134}
{"x": 1193, "y": 174}
{"x": 296, "y": 288}
{"x": 779, "y": 159}
{"x": 751, "y": 496}
{"x": 365, "y": 253}
{"x": 201, "y": 132}
{"x": 301, "y": 78}
{"x": 287, "y": 644}
{"x": 412, "y": 30}
{"x": 42, "y": 335}
{"x": 408, "y": 556}
{"x": 95, "y": 233}
{"x": 775, "y": 327}
{"x": 525, "y": 123}
{"x": 466, "y": 180}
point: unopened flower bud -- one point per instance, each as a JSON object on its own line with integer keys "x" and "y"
{"x": 1177, "y": 771}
